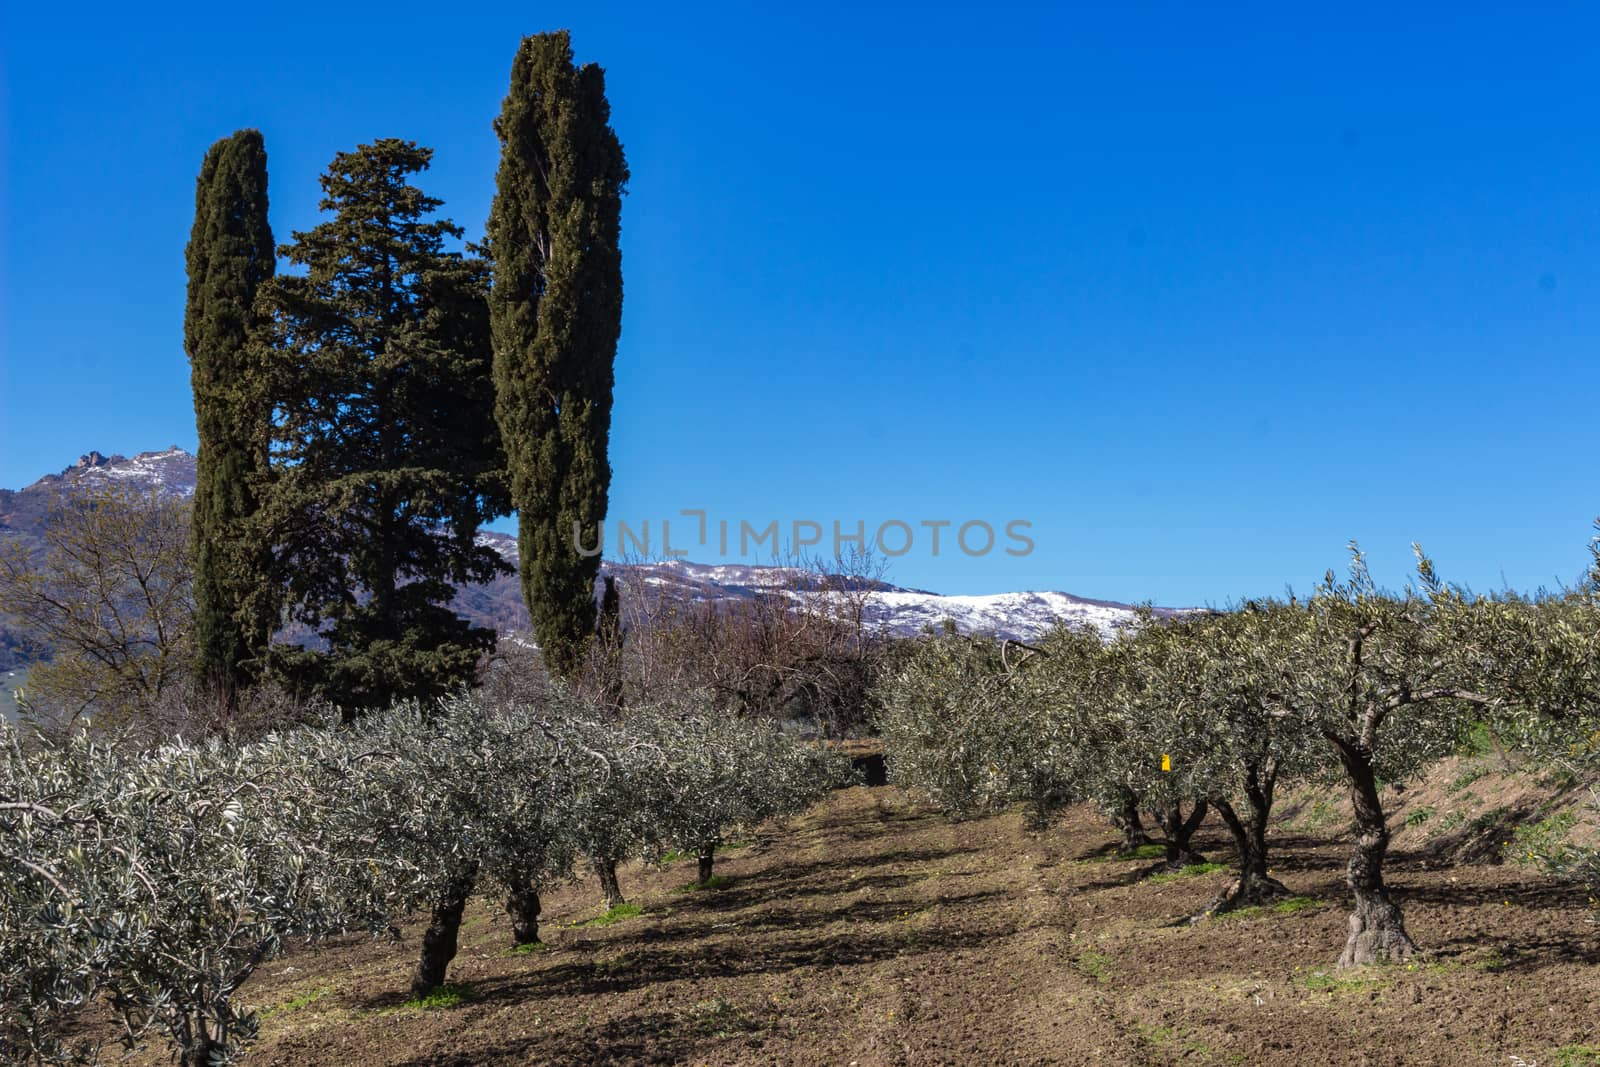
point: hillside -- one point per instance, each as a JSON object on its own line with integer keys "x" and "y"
{"x": 872, "y": 931}
{"x": 498, "y": 604}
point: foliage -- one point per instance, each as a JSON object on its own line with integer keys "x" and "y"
{"x": 556, "y": 310}
{"x": 230, "y": 255}
{"x": 159, "y": 879}
{"x": 109, "y": 596}
{"x": 1216, "y": 708}
{"x": 383, "y": 463}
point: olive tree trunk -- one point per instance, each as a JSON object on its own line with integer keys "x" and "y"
{"x": 523, "y": 906}
{"x": 1252, "y": 884}
{"x": 1126, "y": 818}
{"x": 440, "y": 939}
{"x": 607, "y": 870}
{"x": 1377, "y": 929}
{"x": 1180, "y": 830}
{"x": 707, "y": 855}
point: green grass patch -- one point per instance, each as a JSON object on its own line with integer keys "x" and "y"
{"x": 1491, "y": 961}
{"x": 442, "y": 999}
{"x": 674, "y": 855}
{"x": 1295, "y": 905}
{"x": 1419, "y": 816}
{"x": 1189, "y": 872}
{"x": 298, "y": 1001}
{"x": 615, "y": 915}
{"x": 1323, "y": 982}
{"x": 532, "y": 948}
{"x": 716, "y": 881}
{"x": 1171, "y": 1037}
{"x": 1464, "y": 779}
{"x": 1094, "y": 964}
{"x": 1143, "y": 852}
{"x": 1576, "y": 1056}
{"x": 1320, "y": 815}
{"x": 1291, "y": 906}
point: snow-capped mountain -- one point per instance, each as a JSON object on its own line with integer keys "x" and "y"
{"x": 890, "y": 608}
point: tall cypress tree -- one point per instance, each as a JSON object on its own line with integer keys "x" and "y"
{"x": 230, "y": 255}
{"x": 385, "y": 456}
{"x": 556, "y": 312}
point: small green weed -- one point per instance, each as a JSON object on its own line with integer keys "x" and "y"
{"x": 1464, "y": 779}
{"x": 1094, "y": 964}
{"x": 1419, "y": 816}
{"x": 1189, "y": 872}
{"x": 1295, "y": 905}
{"x": 298, "y": 1001}
{"x": 1143, "y": 852}
{"x": 530, "y": 949}
{"x": 1290, "y": 906}
{"x": 720, "y": 1017}
{"x": 1322, "y": 981}
{"x": 1576, "y": 1056}
{"x": 716, "y": 881}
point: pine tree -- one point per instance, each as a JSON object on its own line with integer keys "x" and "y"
{"x": 556, "y": 311}
{"x": 230, "y": 255}
{"x": 386, "y": 458}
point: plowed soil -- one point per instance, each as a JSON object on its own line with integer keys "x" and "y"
{"x": 874, "y": 931}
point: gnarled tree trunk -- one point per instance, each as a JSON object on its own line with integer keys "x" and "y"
{"x": 440, "y": 939}
{"x": 523, "y": 906}
{"x": 707, "y": 854}
{"x": 607, "y": 870}
{"x": 1377, "y": 929}
{"x": 1179, "y": 831}
{"x": 1253, "y": 885}
{"x": 1126, "y": 819}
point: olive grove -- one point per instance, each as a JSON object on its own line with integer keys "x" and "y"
{"x": 1215, "y": 711}
{"x": 155, "y": 881}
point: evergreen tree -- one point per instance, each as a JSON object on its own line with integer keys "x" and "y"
{"x": 556, "y": 310}
{"x": 230, "y": 255}
{"x": 386, "y": 458}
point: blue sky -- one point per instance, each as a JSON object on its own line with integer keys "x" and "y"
{"x": 1200, "y": 295}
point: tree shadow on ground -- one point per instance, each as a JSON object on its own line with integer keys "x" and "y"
{"x": 659, "y": 1037}
{"x": 1551, "y": 896}
{"x": 675, "y": 958}
{"x": 1519, "y": 955}
{"x": 776, "y": 917}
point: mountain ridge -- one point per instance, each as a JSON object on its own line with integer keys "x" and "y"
{"x": 892, "y": 609}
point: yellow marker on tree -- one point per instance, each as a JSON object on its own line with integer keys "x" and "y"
{"x": 1166, "y": 762}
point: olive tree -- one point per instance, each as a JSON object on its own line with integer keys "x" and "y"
{"x": 1391, "y": 681}
{"x": 1222, "y": 732}
{"x": 727, "y": 773}
{"x": 455, "y": 793}
{"x": 959, "y": 727}
{"x": 59, "y": 895}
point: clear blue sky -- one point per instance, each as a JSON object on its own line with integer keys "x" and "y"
{"x": 1200, "y": 294}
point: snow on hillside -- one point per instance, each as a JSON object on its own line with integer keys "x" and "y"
{"x": 1020, "y": 616}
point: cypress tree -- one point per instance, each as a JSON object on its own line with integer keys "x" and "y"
{"x": 385, "y": 456}
{"x": 230, "y": 255}
{"x": 556, "y": 312}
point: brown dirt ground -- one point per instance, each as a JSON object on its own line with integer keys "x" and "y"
{"x": 873, "y": 931}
